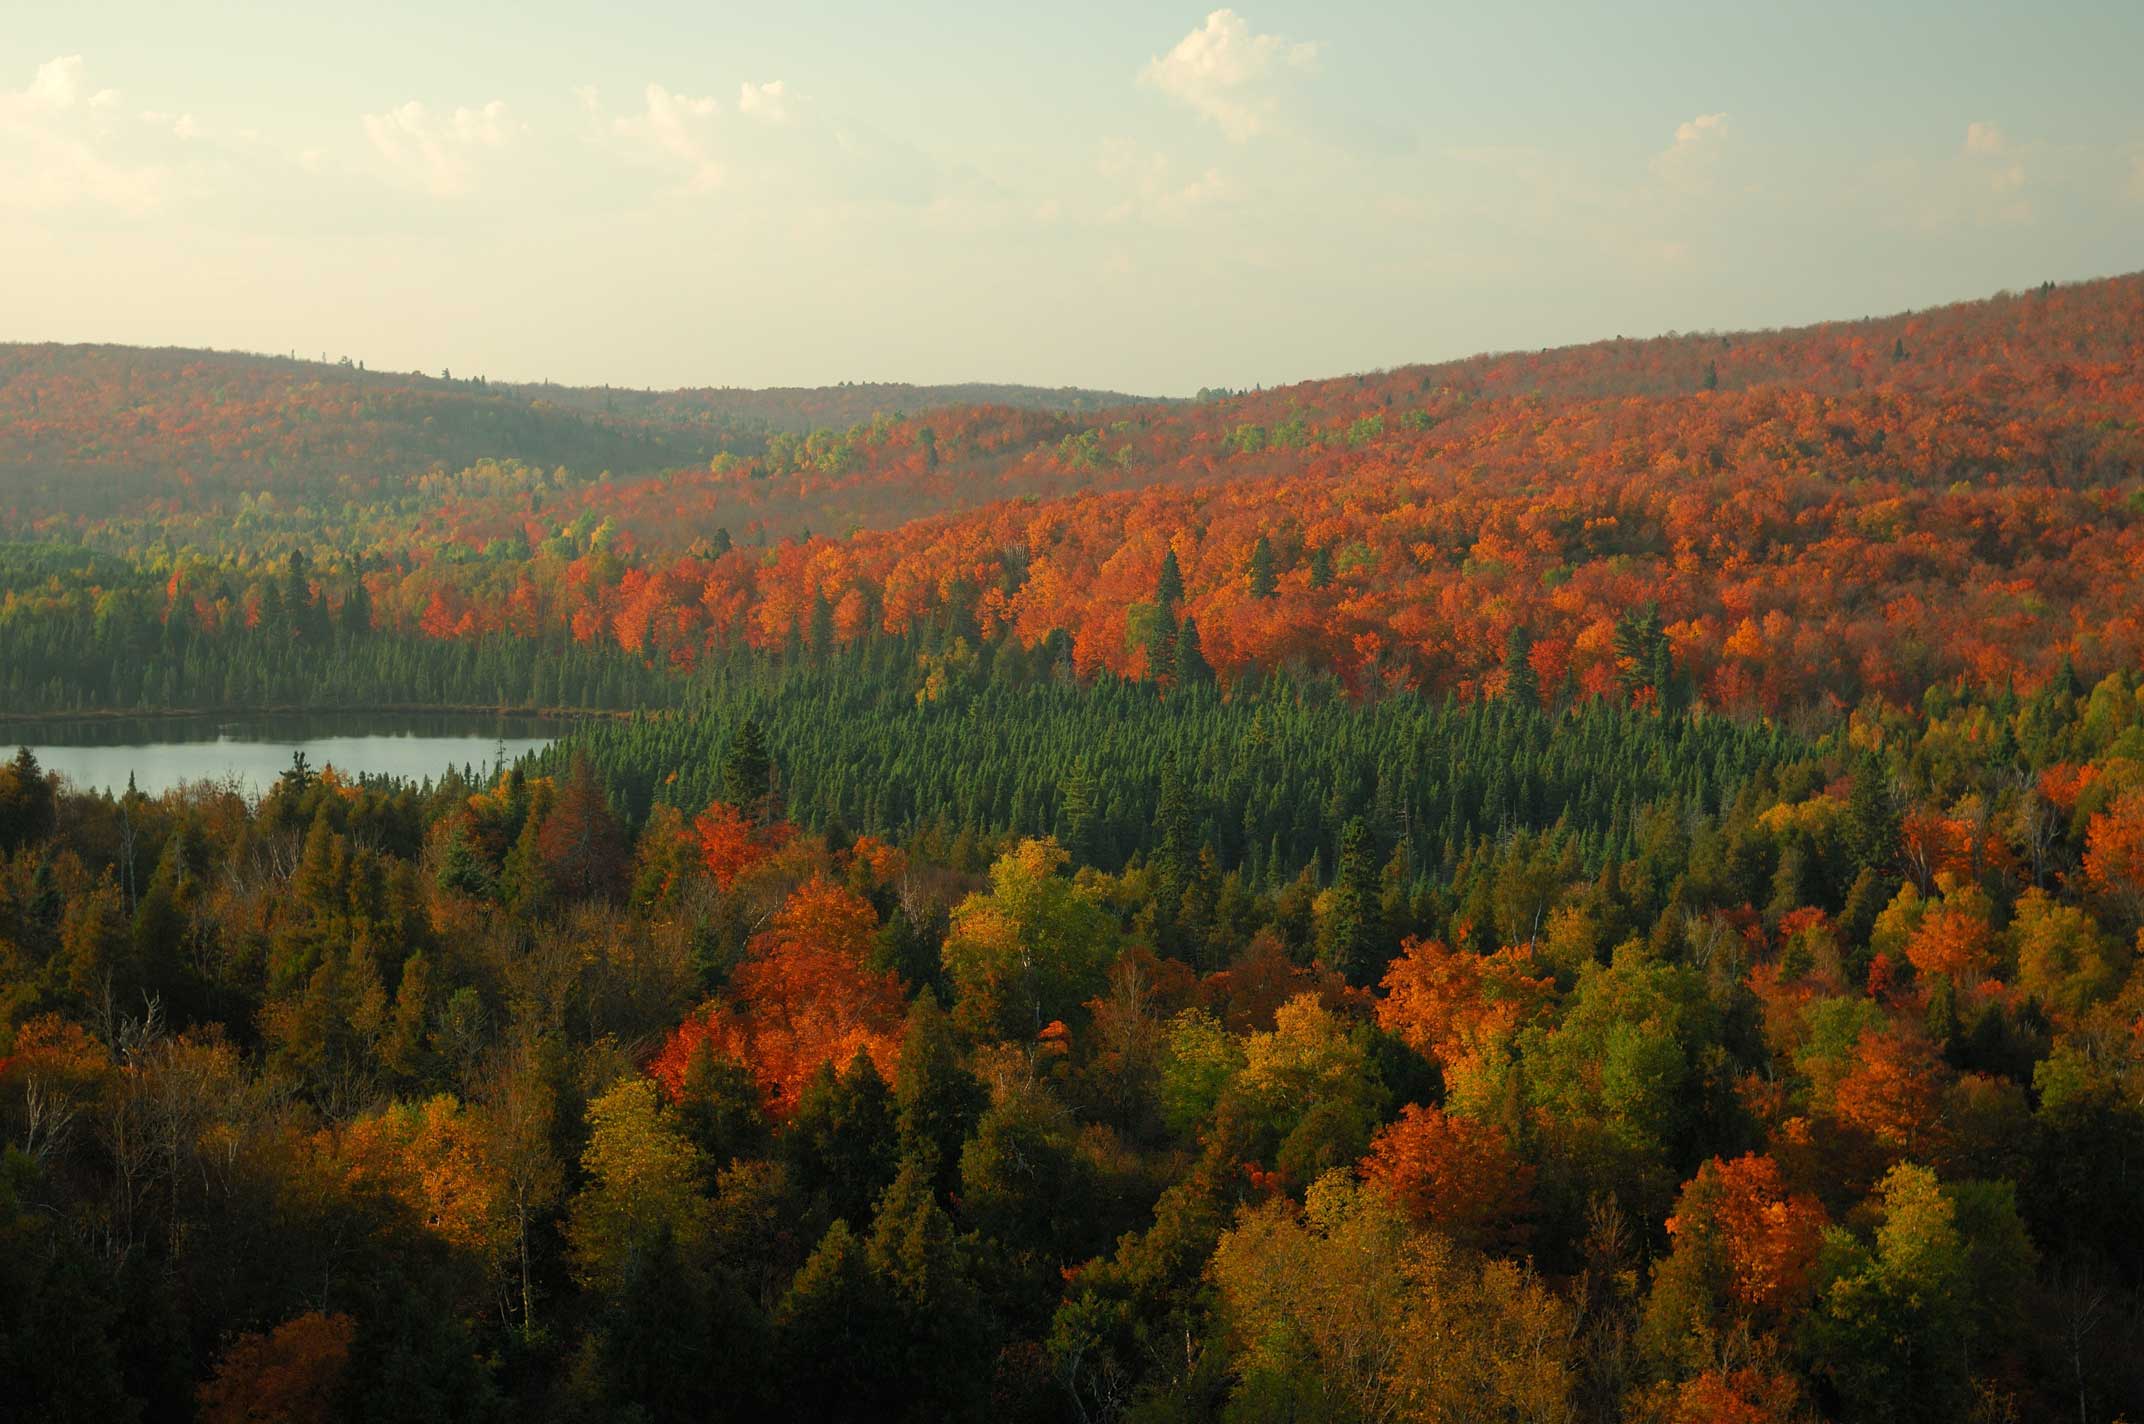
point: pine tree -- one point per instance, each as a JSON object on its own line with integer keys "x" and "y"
{"x": 1349, "y": 938}
{"x": 1522, "y": 687}
{"x": 1263, "y": 578}
{"x": 1192, "y": 669}
{"x": 937, "y": 1099}
{"x": 1078, "y": 814}
{"x": 461, "y": 869}
{"x": 748, "y": 772}
{"x": 843, "y": 1146}
{"x": 1169, "y": 588}
{"x": 719, "y": 1108}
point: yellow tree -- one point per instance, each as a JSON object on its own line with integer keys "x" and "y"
{"x": 1340, "y": 1309}
{"x": 641, "y": 1186}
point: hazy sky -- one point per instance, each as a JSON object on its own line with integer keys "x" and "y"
{"x": 1139, "y": 196}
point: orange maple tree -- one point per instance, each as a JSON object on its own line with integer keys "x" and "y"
{"x": 1459, "y": 1176}
{"x": 803, "y": 997}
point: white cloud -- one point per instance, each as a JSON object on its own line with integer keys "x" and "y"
{"x": 1695, "y": 130}
{"x": 1990, "y": 151}
{"x": 439, "y": 152}
{"x": 2136, "y": 178}
{"x": 1225, "y": 73}
{"x": 674, "y": 131}
{"x": 58, "y": 85}
{"x": 54, "y": 147}
{"x": 1690, "y": 159}
{"x": 1148, "y": 186}
{"x": 769, "y": 102}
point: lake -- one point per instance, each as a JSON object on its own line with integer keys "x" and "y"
{"x": 163, "y": 752}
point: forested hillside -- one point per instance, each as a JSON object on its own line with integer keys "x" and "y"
{"x": 1797, "y": 520}
{"x": 97, "y": 430}
{"x": 1601, "y": 885}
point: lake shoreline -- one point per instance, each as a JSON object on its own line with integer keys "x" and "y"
{"x": 157, "y": 754}
{"x": 394, "y": 709}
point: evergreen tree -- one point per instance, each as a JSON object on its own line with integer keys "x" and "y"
{"x": 842, "y": 1145}
{"x": 1522, "y": 687}
{"x": 1169, "y": 587}
{"x": 356, "y": 616}
{"x": 748, "y": 772}
{"x": 1872, "y": 824}
{"x": 937, "y": 1099}
{"x": 719, "y": 1108}
{"x": 1350, "y": 931}
{"x": 1079, "y": 815}
{"x": 1192, "y": 669}
{"x": 1263, "y": 578}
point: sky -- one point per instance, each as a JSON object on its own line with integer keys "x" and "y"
{"x": 1135, "y": 196}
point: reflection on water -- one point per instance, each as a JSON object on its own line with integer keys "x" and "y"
{"x": 160, "y": 753}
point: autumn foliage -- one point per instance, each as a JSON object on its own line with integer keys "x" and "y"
{"x": 1458, "y": 1176}
{"x": 288, "y": 1375}
{"x": 1835, "y": 513}
{"x": 803, "y": 997}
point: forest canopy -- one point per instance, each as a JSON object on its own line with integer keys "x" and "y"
{"x": 1603, "y": 884}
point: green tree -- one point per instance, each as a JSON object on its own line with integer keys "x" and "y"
{"x": 748, "y": 779}
{"x": 843, "y": 1146}
{"x": 1522, "y": 687}
{"x": 1350, "y": 922}
{"x": 937, "y": 1100}
{"x": 1031, "y": 950}
{"x": 1903, "y": 1318}
{"x": 1263, "y": 578}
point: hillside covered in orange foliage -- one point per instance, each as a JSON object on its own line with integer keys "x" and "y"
{"x": 1802, "y": 518}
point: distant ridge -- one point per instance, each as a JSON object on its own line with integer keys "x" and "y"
{"x": 145, "y": 421}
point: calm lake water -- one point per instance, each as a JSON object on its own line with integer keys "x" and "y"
{"x": 164, "y": 752}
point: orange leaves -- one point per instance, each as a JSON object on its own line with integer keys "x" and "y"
{"x": 1950, "y": 846}
{"x": 288, "y": 1375}
{"x": 1892, "y": 1091}
{"x": 823, "y": 920}
{"x": 1955, "y": 940}
{"x": 1458, "y": 1176}
{"x": 1798, "y": 527}
{"x": 1745, "y": 1396}
{"x": 2114, "y": 848}
{"x": 873, "y": 862}
{"x": 732, "y": 845}
{"x": 55, "y": 1048}
{"x": 802, "y": 997}
{"x": 1771, "y": 1235}
{"x": 2064, "y": 782}
{"x": 1447, "y": 1003}
{"x": 433, "y": 1158}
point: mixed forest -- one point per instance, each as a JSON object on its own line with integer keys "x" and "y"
{"x": 1599, "y": 884}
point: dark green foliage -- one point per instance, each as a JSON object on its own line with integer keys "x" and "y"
{"x": 1522, "y": 686}
{"x": 1351, "y": 940}
{"x": 1261, "y": 572}
{"x": 843, "y": 1145}
{"x": 937, "y": 1099}
{"x": 748, "y": 771}
{"x": 1272, "y": 776}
